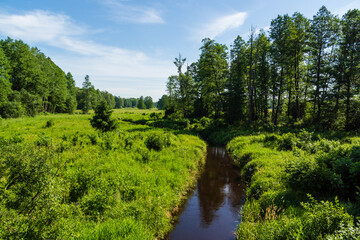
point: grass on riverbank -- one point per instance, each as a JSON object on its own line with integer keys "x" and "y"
{"x": 60, "y": 179}
{"x": 282, "y": 169}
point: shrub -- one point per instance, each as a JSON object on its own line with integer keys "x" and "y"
{"x": 93, "y": 138}
{"x": 323, "y": 218}
{"x": 80, "y": 183}
{"x": 43, "y": 140}
{"x": 205, "y": 122}
{"x": 157, "y": 141}
{"x": 49, "y": 123}
{"x": 308, "y": 176}
{"x": 287, "y": 141}
{"x": 346, "y": 232}
{"x": 11, "y": 110}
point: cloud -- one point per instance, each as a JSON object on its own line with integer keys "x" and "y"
{"x": 221, "y": 25}
{"x": 130, "y": 13}
{"x": 351, "y": 5}
{"x": 109, "y": 65}
{"x": 38, "y": 25}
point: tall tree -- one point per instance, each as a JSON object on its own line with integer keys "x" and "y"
{"x": 263, "y": 76}
{"x": 163, "y": 102}
{"x": 350, "y": 51}
{"x": 280, "y": 35}
{"x": 298, "y": 44}
{"x": 87, "y": 86}
{"x": 5, "y": 86}
{"x": 184, "y": 88}
{"x": 251, "y": 77}
{"x": 141, "y": 103}
{"x": 148, "y": 102}
{"x": 236, "y": 93}
{"x": 71, "y": 98}
{"x": 213, "y": 73}
{"x": 322, "y": 43}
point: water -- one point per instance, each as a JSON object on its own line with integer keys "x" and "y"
{"x": 212, "y": 211}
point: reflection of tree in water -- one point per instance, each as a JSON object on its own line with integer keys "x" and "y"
{"x": 217, "y": 174}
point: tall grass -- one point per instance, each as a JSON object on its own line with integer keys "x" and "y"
{"x": 282, "y": 170}
{"x": 119, "y": 185}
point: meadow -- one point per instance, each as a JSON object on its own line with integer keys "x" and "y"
{"x": 62, "y": 179}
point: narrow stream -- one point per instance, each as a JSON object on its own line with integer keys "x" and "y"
{"x": 212, "y": 211}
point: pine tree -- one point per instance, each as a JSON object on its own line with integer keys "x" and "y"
{"x": 102, "y": 119}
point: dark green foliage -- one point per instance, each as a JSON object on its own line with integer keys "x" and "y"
{"x": 49, "y": 123}
{"x": 304, "y": 72}
{"x": 30, "y": 197}
{"x": 141, "y": 103}
{"x": 33, "y": 80}
{"x": 163, "y": 102}
{"x": 88, "y": 90}
{"x": 323, "y": 218}
{"x": 43, "y": 140}
{"x": 5, "y": 85}
{"x": 71, "y": 103}
{"x": 309, "y": 176}
{"x": 157, "y": 141}
{"x": 11, "y": 110}
{"x": 102, "y": 119}
{"x": 236, "y": 95}
{"x": 148, "y": 102}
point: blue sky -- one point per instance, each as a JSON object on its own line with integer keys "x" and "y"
{"x": 127, "y": 47}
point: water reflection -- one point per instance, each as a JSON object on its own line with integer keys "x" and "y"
{"x": 213, "y": 210}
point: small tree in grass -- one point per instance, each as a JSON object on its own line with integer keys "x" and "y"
{"x": 102, "y": 119}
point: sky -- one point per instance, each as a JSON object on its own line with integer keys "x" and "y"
{"x": 127, "y": 47}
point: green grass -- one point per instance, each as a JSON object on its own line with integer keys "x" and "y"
{"x": 282, "y": 169}
{"x": 115, "y": 185}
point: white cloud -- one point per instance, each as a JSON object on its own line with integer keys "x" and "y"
{"x": 105, "y": 64}
{"x": 221, "y": 25}
{"x": 349, "y": 6}
{"x": 38, "y": 26}
{"x": 130, "y": 13}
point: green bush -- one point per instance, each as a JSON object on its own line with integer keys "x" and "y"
{"x": 93, "y": 138}
{"x": 346, "y": 232}
{"x": 323, "y": 218}
{"x": 157, "y": 141}
{"x": 308, "y": 176}
{"x": 80, "y": 183}
{"x": 30, "y": 195}
{"x": 11, "y": 110}
{"x": 49, "y": 123}
{"x": 43, "y": 140}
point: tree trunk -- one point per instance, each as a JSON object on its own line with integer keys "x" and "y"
{"x": 279, "y": 98}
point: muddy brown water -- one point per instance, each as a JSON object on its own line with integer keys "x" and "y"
{"x": 213, "y": 209}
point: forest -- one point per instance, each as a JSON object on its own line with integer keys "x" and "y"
{"x": 32, "y": 83}
{"x": 285, "y": 104}
{"x": 303, "y": 71}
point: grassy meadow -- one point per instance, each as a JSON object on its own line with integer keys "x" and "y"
{"x": 61, "y": 179}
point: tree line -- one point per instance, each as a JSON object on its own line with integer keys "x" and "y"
{"x": 88, "y": 98}
{"x": 303, "y": 71}
{"x": 31, "y": 82}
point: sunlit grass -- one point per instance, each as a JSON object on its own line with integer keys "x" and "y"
{"x": 117, "y": 187}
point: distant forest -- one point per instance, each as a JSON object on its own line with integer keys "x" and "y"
{"x": 304, "y": 72}
{"x": 31, "y": 82}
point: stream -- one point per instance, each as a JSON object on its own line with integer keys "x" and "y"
{"x": 212, "y": 211}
